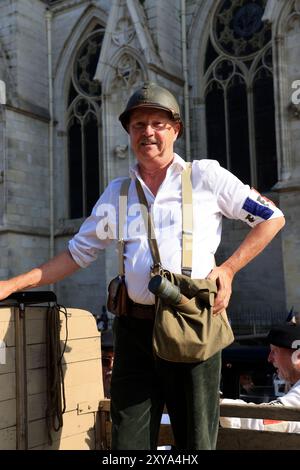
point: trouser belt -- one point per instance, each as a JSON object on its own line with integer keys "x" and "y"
{"x": 144, "y": 312}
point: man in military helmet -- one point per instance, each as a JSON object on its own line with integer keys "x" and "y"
{"x": 141, "y": 382}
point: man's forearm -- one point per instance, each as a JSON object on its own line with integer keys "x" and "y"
{"x": 256, "y": 240}
{"x": 54, "y": 270}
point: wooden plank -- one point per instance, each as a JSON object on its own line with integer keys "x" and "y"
{"x": 36, "y": 325}
{"x": 7, "y": 386}
{"x": 8, "y": 438}
{"x": 77, "y": 442}
{"x": 82, "y": 372}
{"x": 10, "y": 357}
{"x": 83, "y": 349}
{"x": 83, "y": 394}
{"x": 7, "y": 413}
{"x": 36, "y": 356}
{"x": 37, "y": 405}
{"x": 38, "y": 312}
{"x": 285, "y": 413}
{"x": 80, "y": 323}
{"x": 73, "y": 424}
{"x": 7, "y": 331}
{"x": 244, "y": 439}
{"x": 108, "y": 434}
{"x": 35, "y": 312}
{"x": 35, "y": 330}
{"x": 86, "y": 392}
{"x": 6, "y": 315}
{"x": 75, "y": 374}
{"x": 36, "y": 381}
{"x": 103, "y": 418}
{"x": 21, "y": 380}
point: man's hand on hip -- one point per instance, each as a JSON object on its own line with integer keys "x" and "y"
{"x": 223, "y": 275}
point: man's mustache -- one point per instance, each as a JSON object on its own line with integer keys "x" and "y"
{"x": 148, "y": 141}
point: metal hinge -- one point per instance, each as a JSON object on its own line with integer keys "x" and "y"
{"x": 87, "y": 407}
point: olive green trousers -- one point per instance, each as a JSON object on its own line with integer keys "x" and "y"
{"x": 142, "y": 384}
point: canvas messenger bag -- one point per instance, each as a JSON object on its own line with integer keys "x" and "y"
{"x": 183, "y": 331}
{"x": 189, "y": 332}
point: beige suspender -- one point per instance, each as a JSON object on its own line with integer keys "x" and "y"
{"x": 122, "y": 218}
{"x": 187, "y": 222}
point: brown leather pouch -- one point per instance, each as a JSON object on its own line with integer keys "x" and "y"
{"x": 118, "y": 300}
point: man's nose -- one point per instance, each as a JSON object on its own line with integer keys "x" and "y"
{"x": 148, "y": 129}
{"x": 270, "y": 357}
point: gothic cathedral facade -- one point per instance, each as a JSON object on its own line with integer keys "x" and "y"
{"x": 67, "y": 68}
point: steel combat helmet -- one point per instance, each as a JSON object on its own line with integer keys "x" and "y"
{"x": 151, "y": 95}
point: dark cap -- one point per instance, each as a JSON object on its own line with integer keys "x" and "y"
{"x": 285, "y": 336}
{"x": 151, "y": 95}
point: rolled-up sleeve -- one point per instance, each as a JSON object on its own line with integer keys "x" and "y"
{"x": 85, "y": 245}
{"x": 237, "y": 200}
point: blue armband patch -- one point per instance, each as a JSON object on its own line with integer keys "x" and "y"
{"x": 257, "y": 209}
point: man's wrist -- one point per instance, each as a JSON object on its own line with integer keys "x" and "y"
{"x": 229, "y": 266}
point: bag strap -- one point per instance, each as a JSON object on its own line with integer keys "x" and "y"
{"x": 148, "y": 221}
{"x": 122, "y": 217}
{"x": 187, "y": 221}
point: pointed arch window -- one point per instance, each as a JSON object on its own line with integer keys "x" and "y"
{"x": 84, "y": 128}
{"x": 239, "y": 94}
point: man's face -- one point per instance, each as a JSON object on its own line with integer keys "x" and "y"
{"x": 281, "y": 358}
{"x": 152, "y": 134}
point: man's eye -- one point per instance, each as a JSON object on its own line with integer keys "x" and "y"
{"x": 138, "y": 125}
{"x": 158, "y": 125}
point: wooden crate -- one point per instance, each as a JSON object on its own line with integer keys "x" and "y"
{"x": 23, "y": 394}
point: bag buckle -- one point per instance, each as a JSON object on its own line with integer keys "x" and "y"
{"x": 156, "y": 268}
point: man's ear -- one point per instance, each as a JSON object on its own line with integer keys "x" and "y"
{"x": 296, "y": 358}
{"x": 176, "y": 127}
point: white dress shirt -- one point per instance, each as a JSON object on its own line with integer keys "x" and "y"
{"x": 216, "y": 193}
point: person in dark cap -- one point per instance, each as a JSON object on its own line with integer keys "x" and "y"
{"x": 284, "y": 341}
{"x": 141, "y": 382}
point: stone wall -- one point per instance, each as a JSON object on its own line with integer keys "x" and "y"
{"x": 290, "y": 118}
{"x": 24, "y": 135}
{"x": 27, "y": 172}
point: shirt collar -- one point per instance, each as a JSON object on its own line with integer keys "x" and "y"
{"x": 178, "y": 164}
